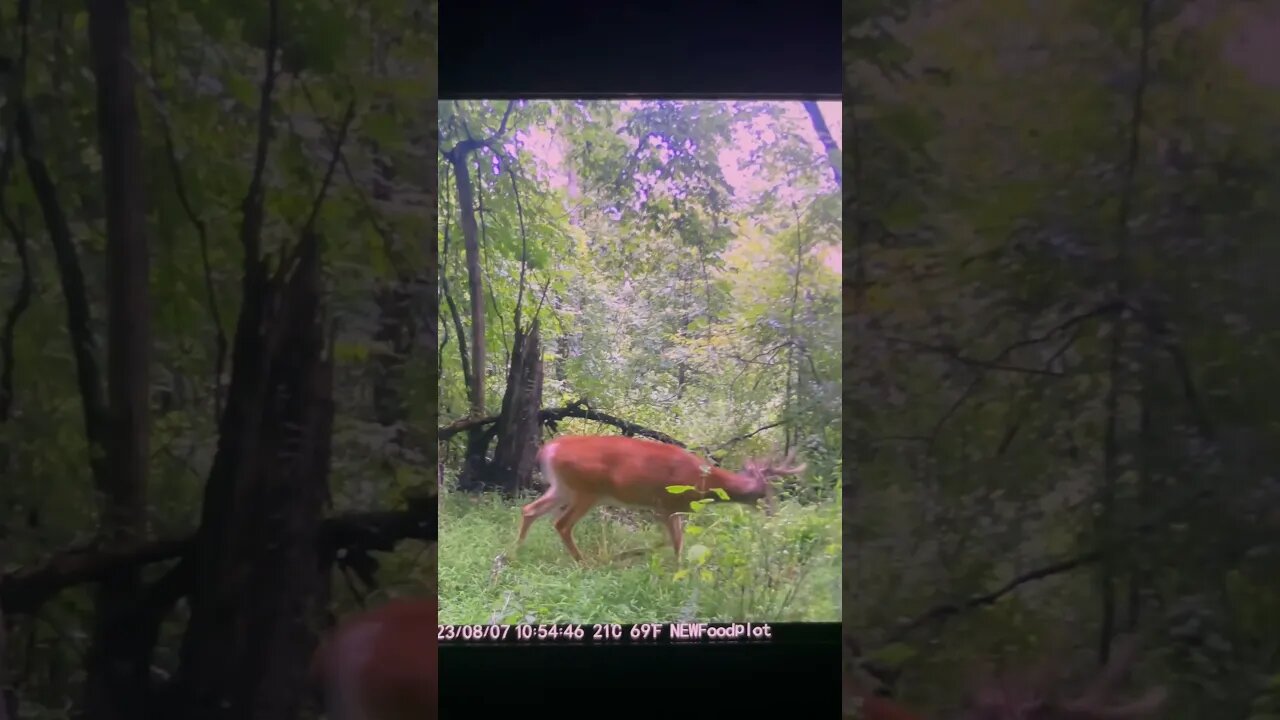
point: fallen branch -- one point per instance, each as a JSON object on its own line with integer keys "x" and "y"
{"x": 581, "y": 410}
{"x": 23, "y": 592}
{"x": 550, "y": 416}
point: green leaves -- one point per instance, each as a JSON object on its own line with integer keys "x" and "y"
{"x": 243, "y": 89}
{"x": 312, "y": 34}
{"x": 315, "y": 37}
{"x": 383, "y": 128}
{"x": 662, "y": 274}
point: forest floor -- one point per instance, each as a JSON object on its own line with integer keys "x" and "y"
{"x": 738, "y": 565}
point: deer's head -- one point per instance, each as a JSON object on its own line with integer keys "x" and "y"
{"x": 762, "y": 470}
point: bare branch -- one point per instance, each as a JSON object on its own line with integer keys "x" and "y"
{"x": 953, "y": 353}
{"x": 524, "y": 239}
{"x": 549, "y": 416}
{"x": 545, "y": 286}
{"x": 252, "y": 205}
{"x": 947, "y": 610}
{"x": 746, "y": 436}
{"x": 202, "y": 233}
{"x": 366, "y": 204}
{"x": 347, "y": 117}
{"x": 22, "y": 298}
{"x": 79, "y": 325}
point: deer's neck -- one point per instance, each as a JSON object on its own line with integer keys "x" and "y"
{"x": 740, "y": 488}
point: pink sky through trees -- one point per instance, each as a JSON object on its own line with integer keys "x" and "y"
{"x": 746, "y": 183}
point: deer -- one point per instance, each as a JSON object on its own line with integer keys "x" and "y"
{"x": 380, "y": 664}
{"x": 582, "y": 471}
{"x": 1026, "y": 698}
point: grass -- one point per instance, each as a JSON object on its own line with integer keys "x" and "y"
{"x": 738, "y": 565}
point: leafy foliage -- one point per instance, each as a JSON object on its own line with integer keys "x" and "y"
{"x": 1058, "y": 320}
{"x": 200, "y": 71}
{"x": 736, "y": 568}
{"x": 688, "y": 252}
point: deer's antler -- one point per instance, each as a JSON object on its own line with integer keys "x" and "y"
{"x": 785, "y": 466}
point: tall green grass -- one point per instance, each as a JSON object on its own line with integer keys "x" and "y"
{"x": 738, "y": 565}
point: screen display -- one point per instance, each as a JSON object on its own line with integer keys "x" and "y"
{"x": 640, "y": 388}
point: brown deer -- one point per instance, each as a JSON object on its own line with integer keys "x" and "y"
{"x": 585, "y": 470}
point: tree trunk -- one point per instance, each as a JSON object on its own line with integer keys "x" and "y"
{"x": 396, "y": 322}
{"x": 395, "y": 338}
{"x": 250, "y": 635}
{"x": 1117, "y": 362}
{"x": 517, "y": 426}
{"x": 824, "y": 136}
{"x": 473, "y": 474}
{"x": 432, "y": 277}
{"x": 458, "y": 157}
{"x": 471, "y": 239}
{"x": 116, "y": 666}
{"x": 6, "y": 697}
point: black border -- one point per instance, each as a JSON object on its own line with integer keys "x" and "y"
{"x": 813, "y": 634}
{"x": 496, "y": 49}
{"x": 705, "y": 679}
{"x": 667, "y": 49}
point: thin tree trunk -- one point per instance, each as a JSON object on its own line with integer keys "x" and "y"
{"x": 458, "y": 158}
{"x": 791, "y": 334}
{"x": 824, "y": 135}
{"x": 396, "y": 334}
{"x": 474, "y": 464}
{"x": 1111, "y": 441}
{"x": 117, "y": 673}
{"x": 454, "y": 314}
{"x": 471, "y": 240}
{"x": 5, "y": 695}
